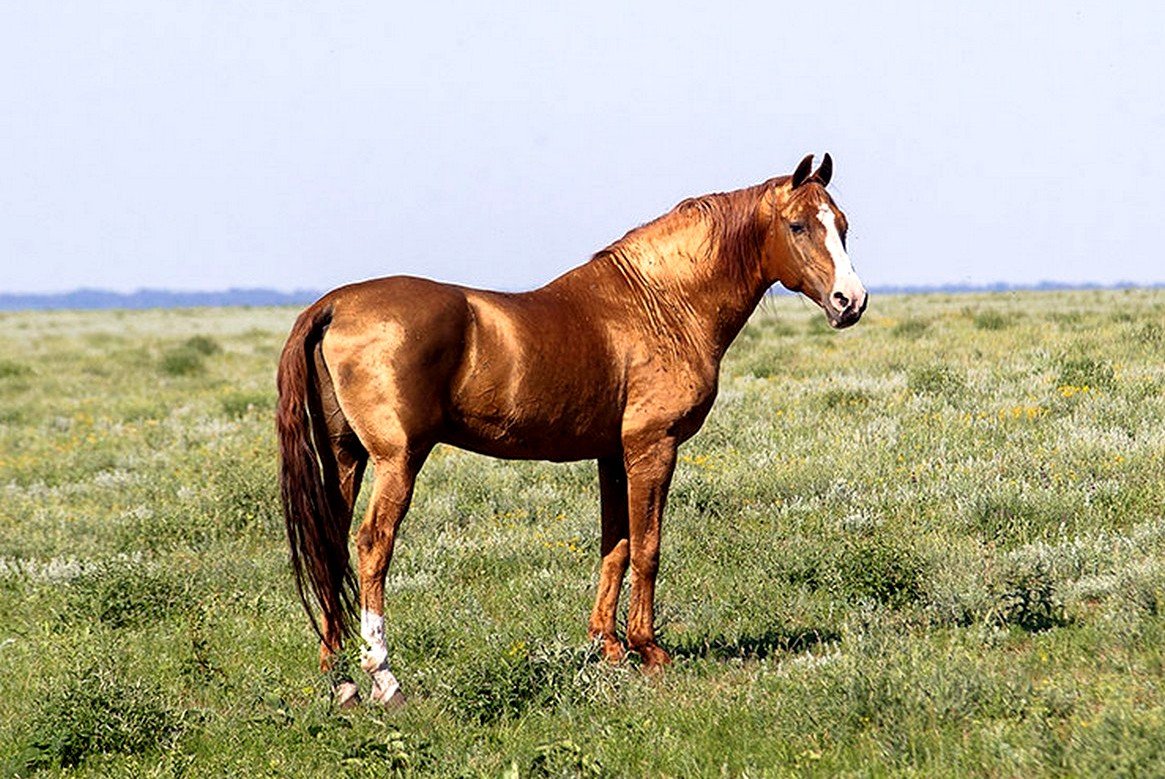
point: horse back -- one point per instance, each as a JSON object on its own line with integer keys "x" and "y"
{"x": 529, "y": 375}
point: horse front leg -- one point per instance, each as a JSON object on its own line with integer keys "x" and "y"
{"x": 374, "y": 541}
{"x": 615, "y": 551}
{"x": 649, "y": 467}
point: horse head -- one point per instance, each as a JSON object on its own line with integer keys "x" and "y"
{"x": 804, "y": 246}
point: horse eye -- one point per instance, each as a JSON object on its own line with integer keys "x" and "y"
{"x": 797, "y": 227}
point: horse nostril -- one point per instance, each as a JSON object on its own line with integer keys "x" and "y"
{"x": 841, "y": 300}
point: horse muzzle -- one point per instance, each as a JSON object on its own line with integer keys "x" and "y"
{"x": 847, "y": 311}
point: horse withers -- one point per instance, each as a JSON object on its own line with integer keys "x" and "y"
{"x": 616, "y": 360}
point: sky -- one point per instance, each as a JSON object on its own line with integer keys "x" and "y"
{"x": 304, "y": 145}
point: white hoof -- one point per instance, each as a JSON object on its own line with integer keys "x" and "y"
{"x": 386, "y": 689}
{"x": 347, "y": 694}
{"x": 394, "y": 701}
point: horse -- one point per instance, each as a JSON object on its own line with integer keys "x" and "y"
{"x": 615, "y": 361}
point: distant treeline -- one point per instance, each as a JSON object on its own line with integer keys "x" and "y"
{"x": 161, "y": 298}
{"x": 1003, "y": 286}
{"x": 154, "y": 298}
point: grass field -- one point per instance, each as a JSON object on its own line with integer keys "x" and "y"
{"x": 930, "y": 545}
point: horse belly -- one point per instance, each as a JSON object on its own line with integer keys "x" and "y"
{"x": 557, "y": 422}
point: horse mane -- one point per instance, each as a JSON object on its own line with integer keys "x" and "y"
{"x": 731, "y": 220}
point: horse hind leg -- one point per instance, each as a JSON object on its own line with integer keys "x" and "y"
{"x": 351, "y": 460}
{"x": 375, "y": 540}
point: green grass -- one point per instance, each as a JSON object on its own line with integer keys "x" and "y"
{"x": 933, "y": 545}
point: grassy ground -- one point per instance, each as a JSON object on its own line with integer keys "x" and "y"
{"x": 930, "y": 545}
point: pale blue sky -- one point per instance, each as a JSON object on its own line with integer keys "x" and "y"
{"x": 209, "y": 145}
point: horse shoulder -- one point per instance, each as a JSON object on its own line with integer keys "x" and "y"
{"x": 668, "y": 395}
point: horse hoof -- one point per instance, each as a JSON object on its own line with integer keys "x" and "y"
{"x": 395, "y": 701}
{"x": 347, "y": 695}
{"x": 654, "y": 658}
{"x": 386, "y": 689}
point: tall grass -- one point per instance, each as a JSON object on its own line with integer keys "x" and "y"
{"x": 930, "y": 545}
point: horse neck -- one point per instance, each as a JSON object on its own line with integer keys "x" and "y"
{"x": 695, "y": 283}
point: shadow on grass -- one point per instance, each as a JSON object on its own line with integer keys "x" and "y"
{"x": 755, "y": 647}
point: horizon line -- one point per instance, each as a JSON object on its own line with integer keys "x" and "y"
{"x": 96, "y": 298}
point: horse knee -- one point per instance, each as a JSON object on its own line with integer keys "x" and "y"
{"x": 645, "y": 562}
{"x": 365, "y": 540}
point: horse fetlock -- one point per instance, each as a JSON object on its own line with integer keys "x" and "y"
{"x": 373, "y": 658}
{"x": 612, "y": 648}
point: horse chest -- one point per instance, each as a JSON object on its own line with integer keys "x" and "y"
{"x": 675, "y": 397}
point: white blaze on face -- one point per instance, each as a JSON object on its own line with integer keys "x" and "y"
{"x": 845, "y": 280}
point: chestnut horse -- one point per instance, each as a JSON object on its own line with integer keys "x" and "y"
{"x": 615, "y": 361}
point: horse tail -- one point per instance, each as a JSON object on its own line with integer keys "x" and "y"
{"x": 313, "y": 507}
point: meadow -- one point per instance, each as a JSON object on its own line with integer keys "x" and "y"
{"x": 930, "y": 545}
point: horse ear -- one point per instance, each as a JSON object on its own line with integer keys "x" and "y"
{"x": 801, "y": 174}
{"x": 825, "y": 172}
